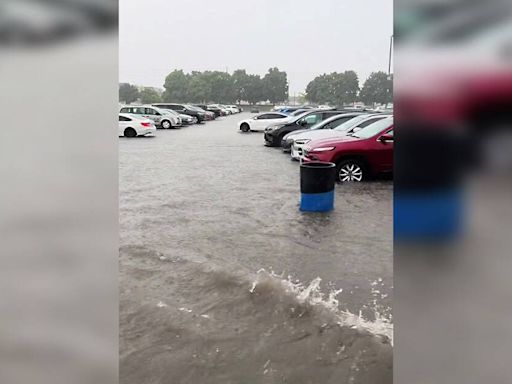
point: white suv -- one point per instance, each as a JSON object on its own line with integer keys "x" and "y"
{"x": 163, "y": 119}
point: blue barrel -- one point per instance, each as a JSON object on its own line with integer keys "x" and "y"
{"x": 430, "y": 168}
{"x": 317, "y": 180}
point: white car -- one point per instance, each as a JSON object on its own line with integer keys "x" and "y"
{"x": 161, "y": 117}
{"x": 352, "y": 125}
{"x": 179, "y": 121}
{"x": 262, "y": 121}
{"x": 232, "y": 109}
{"x": 133, "y": 126}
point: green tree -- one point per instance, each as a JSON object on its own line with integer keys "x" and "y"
{"x": 176, "y": 86}
{"x": 241, "y": 84}
{"x": 254, "y": 92}
{"x": 222, "y": 87}
{"x": 319, "y": 90}
{"x": 150, "y": 95}
{"x": 344, "y": 87}
{"x": 333, "y": 88}
{"x": 198, "y": 87}
{"x": 378, "y": 88}
{"x": 275, "y": 86}
{"x": 128, "y": 93}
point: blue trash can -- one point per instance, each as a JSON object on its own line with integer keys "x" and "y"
{"x": 317, "y": 181}
{"x": 431, "y": 163}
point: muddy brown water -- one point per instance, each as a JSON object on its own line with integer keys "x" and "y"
{"x": 224, "y": 280}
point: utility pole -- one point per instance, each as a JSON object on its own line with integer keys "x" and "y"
{"x": 389, "y": 62}
{"x": 390, "y": 55}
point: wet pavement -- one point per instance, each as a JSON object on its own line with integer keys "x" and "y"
{"x": 218, "y": 265}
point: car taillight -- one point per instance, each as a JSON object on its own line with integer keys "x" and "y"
{"x": 146, "y": 124}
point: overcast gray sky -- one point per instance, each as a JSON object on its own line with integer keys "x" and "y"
{"x": 303, "y": 37}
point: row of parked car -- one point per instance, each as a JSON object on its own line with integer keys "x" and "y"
{"x": 143, "y": 120}
{"x": 360, "y": 143}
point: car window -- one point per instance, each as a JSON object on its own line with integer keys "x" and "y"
{"x": 124, "y": 118}
{"x": 276, "y": 116}
{"x": 138, "y": 111}
{"x": 374, "y": 129}
{"x": 150, "y": 111}
{"x": 125, "y": 110}
{"x": 313, "y": 118}
{"x": 333, "y": 124}
{"x": 369, "y": 121}
{"x": 263, "y": 117}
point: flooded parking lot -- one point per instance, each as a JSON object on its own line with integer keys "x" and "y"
{"x": 224, "y": 280}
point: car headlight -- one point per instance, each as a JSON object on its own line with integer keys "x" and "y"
{"x": 322, "y": 149}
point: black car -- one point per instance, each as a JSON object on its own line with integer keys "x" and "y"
{"x": 184, "y": 109}
{"x": 275, "y": 133}
{"x": 212, "y": 108}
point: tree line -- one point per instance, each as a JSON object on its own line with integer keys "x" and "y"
{"x": 222, "y": 87}
{"x": 343, "y": 88}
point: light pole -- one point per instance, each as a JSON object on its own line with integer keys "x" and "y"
{"x": 390, "y": 55}
{"x": 389, "y": 63}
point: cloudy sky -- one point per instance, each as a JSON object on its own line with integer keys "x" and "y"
{"x": 303, "y": 37}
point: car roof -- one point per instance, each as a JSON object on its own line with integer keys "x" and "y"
{"x": 273, "y": 113}
{"x": 129, "y": 115}
{"x": 341, "y": 138}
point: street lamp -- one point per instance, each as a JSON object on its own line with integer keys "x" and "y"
{"x": 390, "y": 55}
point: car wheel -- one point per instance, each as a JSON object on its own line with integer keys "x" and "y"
{"x": 166, "y": 124}
{"x": 279, "y": 140}
{"x": 130, "y": 132}
{"x": 245, "y": 127}
{"x": 350, "y": 171}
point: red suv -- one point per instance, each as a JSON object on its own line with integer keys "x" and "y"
{"x": 358, "y": 155}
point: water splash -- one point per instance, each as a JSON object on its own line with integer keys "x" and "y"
{"x": 311, "y": 294}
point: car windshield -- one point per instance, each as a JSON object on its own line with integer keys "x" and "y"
{"x": 373, "y": 129}
{"x": 297, "y": 118}
{"x": 160, "y": 111}
{"x": 169, "y": 111}
{"x": 351, "y": 123}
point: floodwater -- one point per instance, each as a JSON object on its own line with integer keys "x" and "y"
{"x": 224, "y": 280}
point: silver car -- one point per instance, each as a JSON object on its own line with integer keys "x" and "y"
{"x": 162, "y": 118}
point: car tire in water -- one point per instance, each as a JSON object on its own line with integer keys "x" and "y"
{"x": 166, "y": 124}
{"x": 130, "y": 132}
{"x": 350, "y": 170}
{"x": 245, "y": 127}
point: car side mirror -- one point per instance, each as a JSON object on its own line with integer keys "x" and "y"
{"x": 386, "y": 138}
{"x": 303, "y": 123}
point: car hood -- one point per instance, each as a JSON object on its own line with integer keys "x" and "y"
{"x": 294, "y": 134}
{"x": 319, "y": 134}
{"x": 333, "y": 141}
